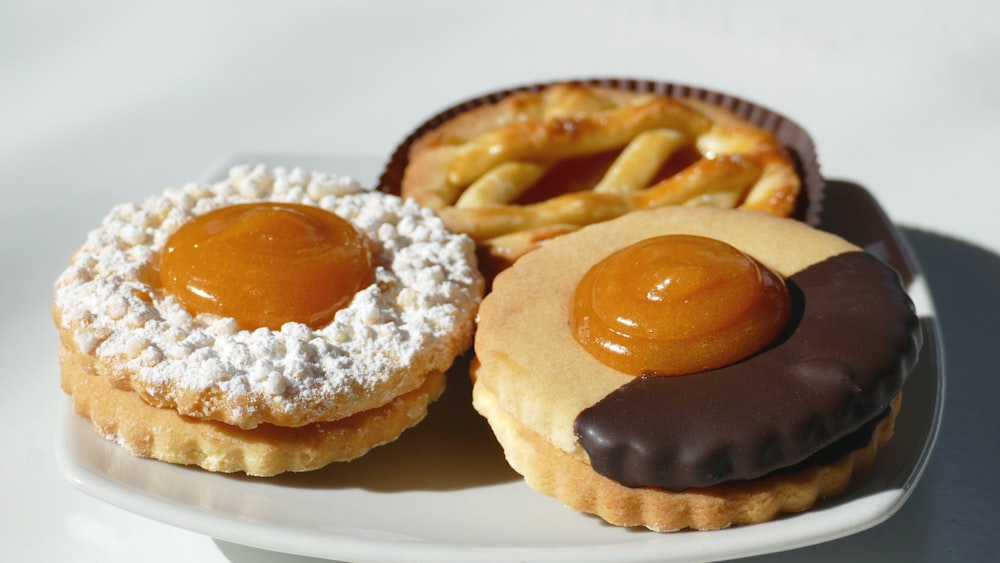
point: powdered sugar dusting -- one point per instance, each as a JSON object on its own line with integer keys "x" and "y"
{"x": 415, "y": 318}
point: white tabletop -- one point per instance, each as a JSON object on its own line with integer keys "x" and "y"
{"x": 105, "y": 102}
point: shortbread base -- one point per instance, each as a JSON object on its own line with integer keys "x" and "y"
{"x": 550, "y": 470}
{"x": 164, "y": 434}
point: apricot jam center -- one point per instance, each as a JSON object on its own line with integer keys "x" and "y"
{"x": 677, "y": 304}
{"x": 265, "y": 264}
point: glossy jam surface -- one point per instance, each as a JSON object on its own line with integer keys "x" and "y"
{"x": 265, "y": 264}
{"x": 677, "y": 304}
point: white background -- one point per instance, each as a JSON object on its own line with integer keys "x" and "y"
{"x": 105, "y": 102}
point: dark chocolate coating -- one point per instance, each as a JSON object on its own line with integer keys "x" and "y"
{"x": 852, "y": 340}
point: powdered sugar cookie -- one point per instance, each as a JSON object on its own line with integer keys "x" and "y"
{"x": 215, "y": 329}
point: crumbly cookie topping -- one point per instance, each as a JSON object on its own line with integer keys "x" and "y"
{"x": 415, "y": 318}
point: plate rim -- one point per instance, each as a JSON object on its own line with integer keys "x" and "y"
{"x": 877, "y": 507}
{"x": 868, "y": 510}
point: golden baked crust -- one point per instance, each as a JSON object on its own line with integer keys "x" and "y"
{"x": 474, "y": 168}
{"x": 532, "y": 379}
{"x": 551, "y": 471}
{"x": 266, "y": 450}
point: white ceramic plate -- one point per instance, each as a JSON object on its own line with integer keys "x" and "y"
{"x": 443, "y": 491}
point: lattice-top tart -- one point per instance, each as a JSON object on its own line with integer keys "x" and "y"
{"x": 541, "y": 162}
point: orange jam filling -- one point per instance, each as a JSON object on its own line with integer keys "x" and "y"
{"x": 677, "y": 304}
{"x": 266, "y": 264}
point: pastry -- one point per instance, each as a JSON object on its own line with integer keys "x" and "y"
{"x": 539, "y": 163}
{"x": 690, "y": 436}
{"x": 275, "y": 321}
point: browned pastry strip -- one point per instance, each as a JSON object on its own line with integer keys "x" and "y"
{"x": 477, "y": 167}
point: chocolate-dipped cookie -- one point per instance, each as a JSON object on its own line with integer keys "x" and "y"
{"x": 693, "y": 435}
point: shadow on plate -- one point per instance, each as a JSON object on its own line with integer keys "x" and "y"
{"x": 243, "y": 554}
{"x": 453, "y": 448}
{"x": 951, "y": 515}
